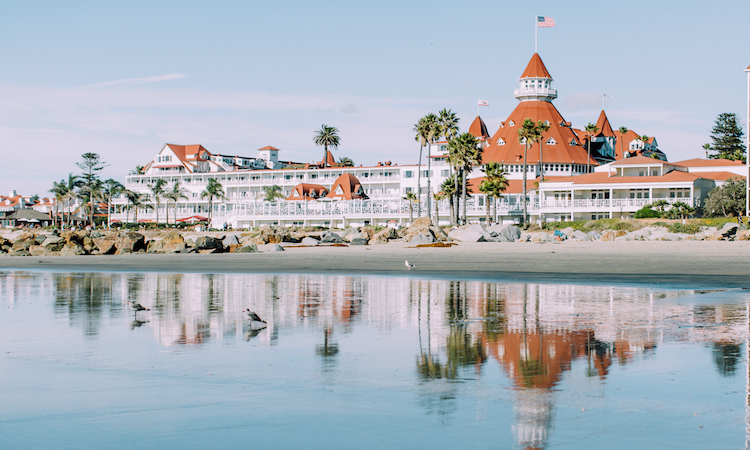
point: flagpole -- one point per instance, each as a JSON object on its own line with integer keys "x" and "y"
{"x": 536, "y": 32}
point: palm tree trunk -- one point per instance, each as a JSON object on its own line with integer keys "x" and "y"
{"x": 588, "y": 160}
{"x": 419, "y": 178}
{"x": 437, "y": 213}
{"x": 458, "y": 204}
{"x": 109, "y": 209}
{"x": 429, "y": 178}
{"x": 411, "y": 215}
{"x": 541, "y": 160}
{"x": 487, "y": 205}
{"x": 450, "y": 201}
{"x": 525, "y": 171}
{"x": 463, "y": 194}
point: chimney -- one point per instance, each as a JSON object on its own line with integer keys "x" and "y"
{"x": 12, "y": 193}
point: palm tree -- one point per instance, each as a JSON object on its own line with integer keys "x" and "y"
{"x": 706, "y": 147}
{"x": 644, "y": 138}
{"x": 437, "y": 196}
{"x": 623, "y": 130}
{"x": 422, "y": 128}
{"x": 346, "y": 162}
{"x": 157, "y": 191}
{"x": 111, "y": 188}
{"x": 327, "y": 136}
{"x": 660, "y": 205}
{"x": 137, "y": 171}
{"x": 137, "y": 201}
{"x": 175, "y": 195}
{"x": 411, "y": 197}
{"x": 272, "y": 193}
{"x": 591, "y": 128}
{"x": 527, "y": 134}
{"x": 73, "y": 182}
{"x": 543, "y": 126}
{"x": 91, "y": 193}
{"x": 465, "y": 153}
{"x": 449, "y": 190}
{"x": 60, "y": 190}
{"x": 494, "y": 185}
{"x": 447, "y": 127}
{"x": 214, "y": 189}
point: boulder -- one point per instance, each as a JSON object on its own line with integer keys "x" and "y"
{"x": 72, "y": 249}
{"x": 466, "y": 236}
{"x": 438, "y": 232}
{"x": 743, "y": 235}
{"x": 511, "y": 232}
{"x": 358, "y": 235}
{"x": 673, "y": 237}
{"x": 425, "y": 237}
{"x": 104, "y": 245}
{"x": 20, "y": 252}
{"x": 37, "y": 250}
{"x": 331, "y": 238}
{"x": 276, "y": 248}
{"x": 247, "y": 248}
{"x": 22, "y": 244}
{"x": 611, "y": 235}
{"x": 273, "y": 235}
{"x": 129, "y": 242}
{"x": 369, "y": 232}
{"x": 207, "y": 251}
{"x": 359, "y": 241}
{"x": 5, "y": 242}
{"x": 208, "y": 243}
{"x": 729, "y": 229}
{"x": 384, "y": 235}
{"x": 578, "y": 235}
{"x": 231, "y": 239}
{"x": 54, "y": 243}
{"x": 594, "y": 235}
{"x": 309, "y": 240}
{"x": 416, "y": 227}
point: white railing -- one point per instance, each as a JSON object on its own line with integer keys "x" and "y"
{"x": 614, "y": 203}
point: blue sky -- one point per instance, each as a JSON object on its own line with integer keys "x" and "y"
{"x": 122, "y": 78}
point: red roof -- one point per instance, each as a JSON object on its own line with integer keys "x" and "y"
{"x": 699, "y": 162}
{"x": 536, "y": 68}
{"x": 330, "y": 160}
{"x": 603, "y": 125}
{"x": 514, "y": 186}
{"x": 268, "y": 147}
{"x": 640, "y": 160}
{"x": 479, "y": 129}
{"x": 305, "y": 191}
{"x": 718, "y": 175}
{"x": 604, "y": 177}
{"x": 511, "y": 151}
{"x": 347, "y": 187}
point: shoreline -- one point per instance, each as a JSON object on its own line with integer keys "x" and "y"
{"x": 697, "y": 264}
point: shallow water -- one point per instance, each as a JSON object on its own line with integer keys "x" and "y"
{"x": 368, "y": 362}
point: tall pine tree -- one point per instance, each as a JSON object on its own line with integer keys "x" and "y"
{"x": 727, "y": 139}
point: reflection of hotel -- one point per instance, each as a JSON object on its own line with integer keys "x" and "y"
{"x": 605, "y": 173}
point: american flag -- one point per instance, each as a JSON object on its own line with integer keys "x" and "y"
{"x": 542, "y": 21}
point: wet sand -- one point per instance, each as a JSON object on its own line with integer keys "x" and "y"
{"x": 688, "y": 264}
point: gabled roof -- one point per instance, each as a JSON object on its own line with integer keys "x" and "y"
{"x": 330, "y": 160}
{"x": 512, "y": 151}
{"x": 718, "y": 175}
{"x": 347, "y": 187}
{"x": 604, "y": 177}
{"x": 535, "y": 68}
{"x": 306, "y": 191}
{"x": 268, "y": 147}
{"x": 641, "y": 160}
{"x": 699, "y": 162}
{"x": 514, "y": 186}
{"x": 603, "y": 125}
{"x": 28, "y": 213}
{"x": 479, "y": 129}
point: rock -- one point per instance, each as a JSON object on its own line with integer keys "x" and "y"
{"x": 209, "y": 243}
{"x": 425, "y": 237}
{"x": 743, "y": 235}
{"x": 129, "y": 242}
{"x": 37, "y": 250}
{"x": 247, "y": 248}
{"x": 5, "y": 242}
{"x": 466, "y": 236}
{"x": 673, "y": 237}
{"x": 24, "y": 244}
{"x": 382, "y": 236}
{"x": 309, "y": 240}
{"x": 230, "y": 240}
{"x": 207, "y": 251}
{"x": 594, "y": 235}
{"x": 173, "y": 237}
{"x": 611, "y": 235}
{"x": 296, "y": 236}
{"x": 105, "y": 246}
{"x": 273, "y": 235}
{"x": 359, "y": 241}
{"x": 20, "y": 252}
{"x": 72, "y": 249}
{"x": 357, "y": 235}
{"x": 729, "y": 229}
{"x": 438, "y": 232}
{"x": 578, "y": 235}
{"x": 370, "y": 232}
{"x": 511, "y": 232}
{"x": 277, "y": 248}
{"x": 715, "y": 237}
{"x": 54, "y": 243}
{"x": 416, "y": 227}
{"x": 331, "y": 238}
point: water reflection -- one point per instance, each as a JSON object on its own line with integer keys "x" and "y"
{"x": 535, "y": 334}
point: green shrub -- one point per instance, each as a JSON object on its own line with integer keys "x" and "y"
{"x": 688, "y": 228}
{"x": 647, "y": 213}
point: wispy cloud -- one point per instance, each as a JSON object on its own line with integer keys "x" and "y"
{"x": 138, "y": 81}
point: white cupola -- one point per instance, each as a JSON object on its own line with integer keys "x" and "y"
{"x": 535, "y": 83}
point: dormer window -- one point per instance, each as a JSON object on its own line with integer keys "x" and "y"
{"x": 546, "y": 122}
{"x": 551, "y": 141}
{"x": 573, "y": 142}
{"x": 500, "y": 141}
{"x": 511, "y": 123}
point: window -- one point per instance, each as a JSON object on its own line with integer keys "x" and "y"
{"x": 551, "y": 141}
{"x": 407, "y": 190}
{"x": 444, "y": 173}
{"x": 511, "y": 123}
{"x": 408, "y": 174}
{"x": 500, "y": 141}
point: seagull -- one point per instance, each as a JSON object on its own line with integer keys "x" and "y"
{"x": 409, "y": 265}
{"x": 253, "y": 317}
{"x": 137, "y": 307}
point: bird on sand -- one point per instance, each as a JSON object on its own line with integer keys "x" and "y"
{"x": 409, "y": 265}
{"x": 253, "y": 317}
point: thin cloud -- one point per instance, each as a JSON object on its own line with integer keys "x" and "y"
{"x": 138, "y": 81}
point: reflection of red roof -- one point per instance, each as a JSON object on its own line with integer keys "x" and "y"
{"x": 505, "y": 148}
{"x": 347, "y": 187}
{"x": 536, "y": 68}
{"x": 305, "y": 191}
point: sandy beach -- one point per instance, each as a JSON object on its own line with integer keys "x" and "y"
{"x": 683, "y": 263}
